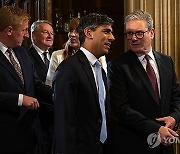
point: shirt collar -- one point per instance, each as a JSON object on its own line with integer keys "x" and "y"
{"x": 150, "y": 53}
{"x": 91, "y": 58}
{"x": 39, "y": 50}
{"x": 3, "y": 48}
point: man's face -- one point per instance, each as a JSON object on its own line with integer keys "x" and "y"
{"x": 102, "y": 38}
{"x": 43, "y": 36}
{"x": 18, "y": 34}
{"x": 135, "y": 29}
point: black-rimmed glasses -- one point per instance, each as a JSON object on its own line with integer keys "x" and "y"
{"x": 138, "y": 34}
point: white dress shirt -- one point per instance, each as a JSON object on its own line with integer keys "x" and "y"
{"x": 153, "y": 64}
{"x": 3, "y": 49}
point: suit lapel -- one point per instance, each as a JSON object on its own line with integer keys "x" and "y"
{"x": 136, "y": 64}
{"x": 162, "y": 77}
{"x": 7, "y": 65}
{"x": 50, "y": 51}
{"x": 88, "y": 70}
{"x": 38, "y": 58}
{"x": 106, "y": 88}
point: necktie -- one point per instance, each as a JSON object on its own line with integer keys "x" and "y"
{"x": 46, "y": 61}
{"x": 101, "y": 92}
{"x": 15, "y": 65}
{"x": 152, "y": 77}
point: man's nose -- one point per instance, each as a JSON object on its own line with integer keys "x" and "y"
{"x": 26, "y": 34}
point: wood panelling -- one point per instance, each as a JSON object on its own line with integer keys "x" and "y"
{"x": 46, "y": 9}
{"x": 113, "y": 8}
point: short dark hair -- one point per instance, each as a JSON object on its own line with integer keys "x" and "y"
{"x": 92, "y": 21}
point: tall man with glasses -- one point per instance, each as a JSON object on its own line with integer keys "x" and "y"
{"x": 42, "y": 37}
{"x": 144, "y": 92}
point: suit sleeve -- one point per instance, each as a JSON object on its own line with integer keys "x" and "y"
{"x": 175, "y": 97}
{"x": 43, "y": 92}
{"x": 120, "y": 104}
{"x": 65, "y": 86}
{"x": 8, "y": 101}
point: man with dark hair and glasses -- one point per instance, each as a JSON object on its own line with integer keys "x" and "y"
{"x": 144, "y": 93}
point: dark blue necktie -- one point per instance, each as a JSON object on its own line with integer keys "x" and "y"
{"x": 101, "y": 93}
{"x": 46, "y": 61}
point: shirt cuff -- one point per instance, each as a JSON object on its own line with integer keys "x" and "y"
{"x": 20, "y": 99}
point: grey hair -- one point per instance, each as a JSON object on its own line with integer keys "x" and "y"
{"x": 140, "y": 15}
{"x": 35, "y": 25}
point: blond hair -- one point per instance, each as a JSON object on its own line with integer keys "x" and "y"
{"x": 12, "y": 16}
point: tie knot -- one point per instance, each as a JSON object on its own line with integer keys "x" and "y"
{"x": 97, "y": 63}
{"x": 147, "y": 57}
{"x": 45, "y": 54}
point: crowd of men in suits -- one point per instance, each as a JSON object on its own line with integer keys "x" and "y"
{"x": 74, "y": 116}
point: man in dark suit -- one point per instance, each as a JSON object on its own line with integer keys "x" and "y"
{"x": 78, "y": 116}
{"x": 19, "y": 83}
{"x": 42, "y": 36}
{"x": 144, "y": 92}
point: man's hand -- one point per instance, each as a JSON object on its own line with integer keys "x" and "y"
{"x": 166, "y": 134}
{"x": 169, "y": 121}
{"x": 30, "y": 102}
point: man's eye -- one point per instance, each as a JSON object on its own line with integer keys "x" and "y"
{"x": 139, "y": 33}
{"x": 130, "y": 33}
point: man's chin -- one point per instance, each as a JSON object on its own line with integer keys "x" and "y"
{"x": 49, "y": 45}
{"x": 106, "y": 52}
{"x": 19, "y": 44}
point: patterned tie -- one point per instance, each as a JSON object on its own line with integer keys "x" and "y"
{"x": 15, "y": 65}
{"x": 101, "y": 92}
{"x": 152, "y": 76}
{"x": 46, "y": 61}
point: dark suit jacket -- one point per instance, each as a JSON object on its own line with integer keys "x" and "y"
{"x": 39, "y": 65}
{"x": 19, "y": 127}
{"x": 133, "y": 101}
{"x": 77, "y": 114}
{"x": 46, "y": 108}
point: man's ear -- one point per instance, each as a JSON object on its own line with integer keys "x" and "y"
{"x": 9, "y": 30}
{"x": 88, "y": 33}
{"x": 33, "y": 36}
{"x": 152, "y": 33}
